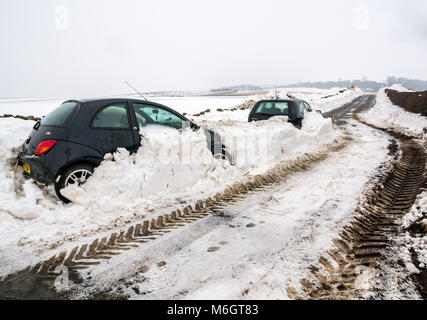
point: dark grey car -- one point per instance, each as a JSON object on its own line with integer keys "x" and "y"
{"x": 65, "y": 146}
{"x": 294, "y": 109}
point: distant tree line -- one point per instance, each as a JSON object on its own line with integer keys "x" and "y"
{"x": 367, "y": 85}
{"x": 243, "y": 87}
{"x": 362, "y": 84}
{"x": 413, "y": 84}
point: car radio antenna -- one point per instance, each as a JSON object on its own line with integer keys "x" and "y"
{"x": 135, "y": 90}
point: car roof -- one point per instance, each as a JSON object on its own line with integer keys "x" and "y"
{"x": 95, "y": 103}
{"x": 279, "y": 100}
{"x": 110, "y": 100}
{"x": 106, "y": 101}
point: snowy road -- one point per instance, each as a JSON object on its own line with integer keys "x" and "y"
{"x": 254, "y": 247}
{"x": 266, "y": 242}
{"x": 345, "y": 111}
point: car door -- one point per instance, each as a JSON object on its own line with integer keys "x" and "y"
{"x": 111, "y": 128}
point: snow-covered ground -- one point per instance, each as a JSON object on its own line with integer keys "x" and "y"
{"x": 261, "y": 246}
{"x": 159, "y": 177}
{"x": 394, "y": 280}
{"x": 387, "y": 115}
{"x": 268, "y": 241}
{"x": 417, "y": 243}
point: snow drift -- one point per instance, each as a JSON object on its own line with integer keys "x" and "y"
{"x": 172, "y": 168}
{"x": 386, "y": 114}
{"x": 257, "y": 146}
{"x": 168, "y": 162}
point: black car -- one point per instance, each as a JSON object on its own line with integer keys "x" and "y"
{"x": 294, "y": 109}
{"x": 66, "y": 145}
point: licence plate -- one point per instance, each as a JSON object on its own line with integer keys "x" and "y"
{"x": 26, "y": 168}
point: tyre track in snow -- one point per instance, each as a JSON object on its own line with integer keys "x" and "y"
{"x": 363, "y": 244}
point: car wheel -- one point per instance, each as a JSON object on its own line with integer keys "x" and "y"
{"x": 76, "y": 174}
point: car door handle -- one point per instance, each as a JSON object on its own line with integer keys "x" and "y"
{"x": 135, "y": 128}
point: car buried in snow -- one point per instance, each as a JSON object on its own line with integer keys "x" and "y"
{"x": 65, "y": 146}
{"x": 294, "y": 109}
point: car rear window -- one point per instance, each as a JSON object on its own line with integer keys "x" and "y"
{"x": 60, "y": 115}
{"x": 273, "y": 108}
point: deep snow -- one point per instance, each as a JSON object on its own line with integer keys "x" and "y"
{"x": 159, "y": 177}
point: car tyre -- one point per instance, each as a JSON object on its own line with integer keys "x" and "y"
{"x": 78, "y": 173}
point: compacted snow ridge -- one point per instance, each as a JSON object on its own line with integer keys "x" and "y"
{"x": 387, "y": 115}
{"x": 172, "y": 168}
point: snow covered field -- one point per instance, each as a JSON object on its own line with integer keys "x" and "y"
{"x": 193, "y": 104}
{"x": 157, "y": 178}
{"x": 41, "y": 107}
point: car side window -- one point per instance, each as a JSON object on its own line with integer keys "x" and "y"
{"x": 112, "y": 117}
{"x": 261, "y": 108}
{"x": 148, "y": 114}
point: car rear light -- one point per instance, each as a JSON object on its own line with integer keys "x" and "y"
{"x": 45, "y": 146}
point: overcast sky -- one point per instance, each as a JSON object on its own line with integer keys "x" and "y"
{"x": 79, "y": 48}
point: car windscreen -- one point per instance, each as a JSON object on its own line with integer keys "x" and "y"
{"x": 273, "y": 108}
{"x": 60, "y": 115}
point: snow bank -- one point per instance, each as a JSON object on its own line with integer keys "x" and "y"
{"x": 399, "y": 87}
{"x": 169, "y": 161}
{"x": 16, "y": 197}
{"x": 257, "y": 146}
{"x": 385, "y": 114}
